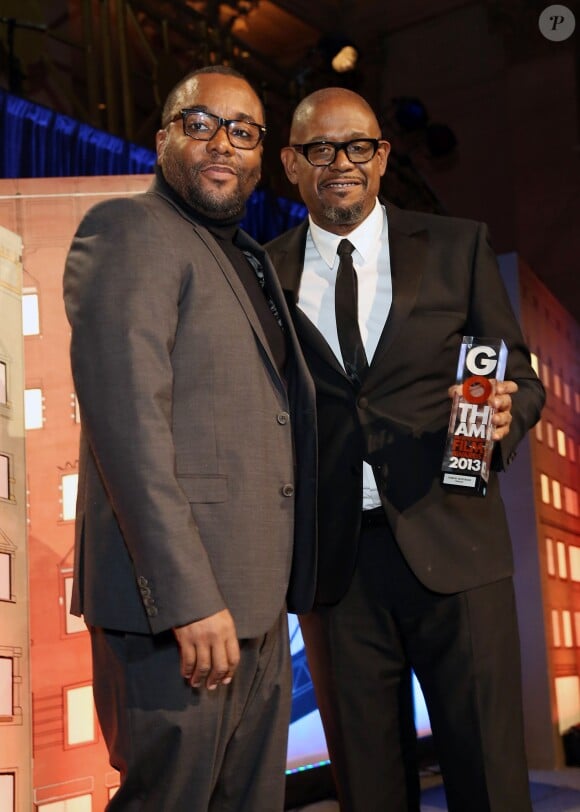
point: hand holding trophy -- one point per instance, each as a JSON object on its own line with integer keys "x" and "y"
{"x": 469, "y": 445}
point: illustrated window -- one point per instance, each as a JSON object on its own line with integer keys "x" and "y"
{"x": 73, "y": 624}
{"x": 82, "y": 803}
{"x": 33, "y": 409}
{"x": 69, "y": 485}
{"x": 5, "y": 576}
{"x": 4, "y": 476}
{"x": 80, "y": 716}
{"x": 6, "y": 687}
{"x": 30, "y": 312}
{"x": 3, "y": 384}
{"x": 7, "y": 791}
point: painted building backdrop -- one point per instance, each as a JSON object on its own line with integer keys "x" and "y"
{"x": 46, "y": 710}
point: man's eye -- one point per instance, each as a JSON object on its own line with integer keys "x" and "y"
{"x": 197, "y": 126}
{"x": 322, "y": 150}
{"x": 240, "y": 131}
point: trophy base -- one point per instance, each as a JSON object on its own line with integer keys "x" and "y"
{"x": 463, "y": 483}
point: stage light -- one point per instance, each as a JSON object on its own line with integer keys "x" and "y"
{"x": 339, "y": 53}
{"x": 345, "y": 60}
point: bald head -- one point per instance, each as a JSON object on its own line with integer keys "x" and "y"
{"x": 309, "y": 108}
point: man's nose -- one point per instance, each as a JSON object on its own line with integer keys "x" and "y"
{"x": 220, "y": 140}
{"x": 341, "y": 159}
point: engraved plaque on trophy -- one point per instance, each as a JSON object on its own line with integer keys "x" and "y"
{"x": 469, "y": 445}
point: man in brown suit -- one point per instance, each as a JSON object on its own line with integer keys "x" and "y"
{"x": 195, "y": 523}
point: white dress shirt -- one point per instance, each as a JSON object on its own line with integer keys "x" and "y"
{"x": 375, "y": 293}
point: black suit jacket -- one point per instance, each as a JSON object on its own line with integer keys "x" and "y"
{"x": 446, "y": 284}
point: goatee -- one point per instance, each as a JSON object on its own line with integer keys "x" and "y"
{"x": 210, "y": 202}
{"x": 344, "y": 215}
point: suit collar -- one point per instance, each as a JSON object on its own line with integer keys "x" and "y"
{"x": 290, "y": 264}
{"x": 161, "y": 188}
{"x": 408, "y": 240}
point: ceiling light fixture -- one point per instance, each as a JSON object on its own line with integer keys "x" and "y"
{"x": 340, "y": 53}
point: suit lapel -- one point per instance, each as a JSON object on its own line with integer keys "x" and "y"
{"x": 311, "y": 336}
{"x": 290, "y": 260}
{"x": 239, "y": 290}
{"x": 407, "y": 248}
{"x": 161, "y": 188}
{"x": 289, "y": 266}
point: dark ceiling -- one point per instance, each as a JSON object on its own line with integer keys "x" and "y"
{"x": 480, "y": 65}
{"x": 111, "y": 62}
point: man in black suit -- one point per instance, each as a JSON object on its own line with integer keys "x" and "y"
{"x": 410, "y": 576}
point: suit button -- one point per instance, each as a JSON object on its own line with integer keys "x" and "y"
{"x": 142, "y": 581}
{"x": 363, "y": 402}
{"x": 288, "y": 490}
{"x": 283, "y": 418}
{"x": 147, "y": 601}
{"x": 152, "y": 611}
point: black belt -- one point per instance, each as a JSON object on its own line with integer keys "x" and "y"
{"x": 373, "y": 518}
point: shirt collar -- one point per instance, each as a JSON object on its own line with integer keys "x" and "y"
{"x": 365, "y": 237}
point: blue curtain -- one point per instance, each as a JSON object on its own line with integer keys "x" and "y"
{"x": 40, "y": 143}
{"x": 268, "y": 215}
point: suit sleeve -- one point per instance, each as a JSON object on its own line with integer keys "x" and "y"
{"x": 122, "y": 287}
{"x": 491, "y": 314}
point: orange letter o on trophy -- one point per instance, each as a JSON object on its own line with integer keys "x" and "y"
{"x": 477, "y": 389}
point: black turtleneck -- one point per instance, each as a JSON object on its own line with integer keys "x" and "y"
{"x": 225, "y": 232}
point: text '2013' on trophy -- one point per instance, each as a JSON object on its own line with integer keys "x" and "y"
{"x": 467, "y": 457}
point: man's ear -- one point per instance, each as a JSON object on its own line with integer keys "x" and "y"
{"x": 383, "y": 154}
{"x": 161, "y": 142}
{"x": 288, "y": 157}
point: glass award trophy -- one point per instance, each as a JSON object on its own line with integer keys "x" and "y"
{"x": 469, "y": 445}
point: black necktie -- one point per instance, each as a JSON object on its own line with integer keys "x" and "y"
{"x": 345, "y": 303}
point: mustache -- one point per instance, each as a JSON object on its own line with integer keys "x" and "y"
{"x": 328, "y": 181}
{"x": 199, "y": 167}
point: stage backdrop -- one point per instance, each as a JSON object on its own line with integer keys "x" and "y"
{"x": 75, "y": 166}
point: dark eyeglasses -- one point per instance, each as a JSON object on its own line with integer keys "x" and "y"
{"x": 202, "y": 126}
{"x": 323, "y": 153}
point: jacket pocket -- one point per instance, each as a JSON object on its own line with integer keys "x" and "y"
{"x": 204, "y": 488}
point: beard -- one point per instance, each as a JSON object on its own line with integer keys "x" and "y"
{"x": 344, "y": 215}
{"x": 211, "y": 202}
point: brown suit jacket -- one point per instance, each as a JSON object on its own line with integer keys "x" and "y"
{"x": 197, "y": 466}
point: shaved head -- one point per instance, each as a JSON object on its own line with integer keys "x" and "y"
{"x": 306, "y": 109}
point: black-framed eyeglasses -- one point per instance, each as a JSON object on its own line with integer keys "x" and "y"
{"x": 323, "y": 153}
{"x": 202, "y": 126}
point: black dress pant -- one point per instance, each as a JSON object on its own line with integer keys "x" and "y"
{"x": 464, "y": 649}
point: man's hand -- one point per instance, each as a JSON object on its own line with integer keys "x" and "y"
{"x": 209, "y": 650}
{"x": 502, "y": 403}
